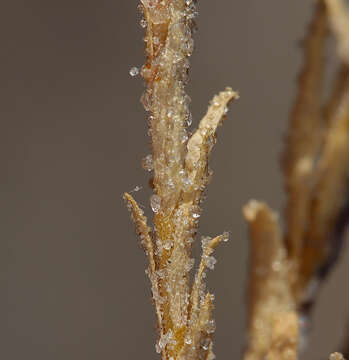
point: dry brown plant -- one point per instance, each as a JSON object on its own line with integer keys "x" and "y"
{"x": 286, "y": 270}
{"x": 286, "y": 267}
{"x": 180, "y": 175}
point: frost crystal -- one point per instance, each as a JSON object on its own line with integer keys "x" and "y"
{"x": 189, "y": 119}
{"x": 211, "y": 326}
{"x": 146, "y": 101}
{"x": 165, "y": 339}
{"x": 168, "y": 244}
{"x": 210, "y": 262}
{"x": 137, "y": 188}
{"x": 205, "y": 241}
{"x": 225, "y": 236}
{"x": 143, "y": 23}
{"x": 188, "y": 340}
{"x": 155, "y": 203}
{"x": 206, "y": 344}
{"x": 190, "y": 241}
{"x": 147, "y": 163}
{"x": 184, "y": 137}
{"x": 134, "y": 71}
{"x": 179, "y": 161}
{"x": 190, "y": 264}
{"x": 187, "y": 182}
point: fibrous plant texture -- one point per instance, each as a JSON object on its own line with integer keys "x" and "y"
{"x": 286, "y": 267}
{"x": 179, "y": 162}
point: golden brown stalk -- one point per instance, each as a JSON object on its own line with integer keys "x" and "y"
{"x": 201, "y": 325}
{"x": 339, "y": 87}
{"x": 316, "y": 170}
{"x": 339, "y": 20}
{"x": 331, "y": 191}
{"x": 181, "y": 174}
{"x": 270, "y": 298}
{"x": 284, "y": 339}
{"x": 304, "y": 136}
{"x": 330, "y": 179}
{"x": 143, "y": 231}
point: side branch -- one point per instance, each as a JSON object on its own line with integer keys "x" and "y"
{"x": 270, "y": 299}
{"x": 304, "y": 135}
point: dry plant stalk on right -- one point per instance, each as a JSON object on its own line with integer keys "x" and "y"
{"x": 287, "y": 268}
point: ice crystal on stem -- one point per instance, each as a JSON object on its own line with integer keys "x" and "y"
{"x": 283, "y": 267}
{"x": 179, "y": 162}
{"x": 134, "y": 71}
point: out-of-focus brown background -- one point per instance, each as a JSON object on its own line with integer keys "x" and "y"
{"x": 72, "y": 136}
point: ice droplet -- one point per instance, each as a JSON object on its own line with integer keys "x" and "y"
{"x": 190, "y": 264}
{"x": 211, "y": 326}
{"x": 196, "y": 215}
{"x": 190, "y": 241}
{"x": 171, "y": 184}
{"x": 143, "y": 23}
{"x": 147, "y": 163}
{"x": 187, "y": 182}
{"x": 155, "y": 203}
{"x": 188, "y": 340}
{"x": 205, "y": 241}
{"x": 134, "y": 71}
{"x": 206, "y": 344}
{"x": 137, "y": 188}
{"x": 168, "y": 244}
{"x": 189, "y": 119}
{"x": 165, "y": 339}
{"x": 184, "y": 138}
{"x": 146, "y": 101}
{"x": 210, "y": 140}
{"x": 225, "y": 236}
{"x": 211, "y": 262}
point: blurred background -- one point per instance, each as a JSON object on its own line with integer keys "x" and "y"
{"x": 72, "y": 136}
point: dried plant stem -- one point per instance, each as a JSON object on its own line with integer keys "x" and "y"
{"x": 316, "y": 161}
{"x": 181, "y": 174}
{"x": 304, "y": 137}
{"x": 271, "y": 306}
{"x": 284, "y": 269}
{"x": 331, "y": 189}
